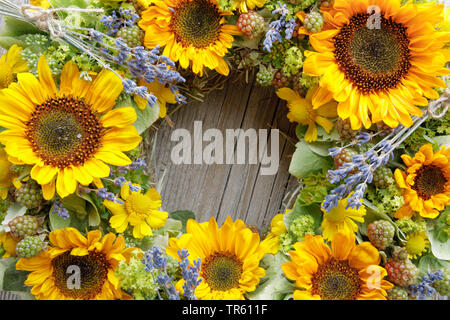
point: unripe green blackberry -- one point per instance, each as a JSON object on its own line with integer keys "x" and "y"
{"x": 443, "y": 286}
{"x": 251, "y": 24}
{"x": 344, "y": 129}
{"x": 29, "y": 247}
{"x": 344, "y": 156}
{"x": 313, "y": 22}
{"x": 133, "y": 36}
{"x": 23, "y": 226}
{"x": 399, "y": 253}
{"x": 397, "y": 293}
{"x": 29, "y": 194}
{"x": 401, "y": 272}
{"x": 383, "y": 177}
{"x": 264, "y": 76}
{"x": 381, "y": 233}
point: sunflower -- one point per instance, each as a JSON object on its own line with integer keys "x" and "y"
{"x": 7, "y": 177}
{"x": 70, "y": 135}
{"x": 378, "y": 72}
{"x": 416, "y": 244}
{"x": 138, "y": 210}
{"x": 163, "y": 93}
{"x": 341, "y": 218}
{"x": 191, "y": 31}
{"x": 229, "y": 257}
{"x": 426, "y": 182}
{"x": 11, "y": 63}
{"x": 301, "y": 111}
{"x": 345, "y": 272}
{"x": 93, "y": 258}
{"x": 277, "y": 228}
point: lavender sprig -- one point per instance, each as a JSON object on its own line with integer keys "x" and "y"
{"x": 424, "y": 289}
{"x": 276, "y": 27}
{"x": 60, "y": 210}
{"x": 190, "y": 274}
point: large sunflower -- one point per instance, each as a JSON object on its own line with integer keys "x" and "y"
{"x": 93, "y": 259}
{"x": 426, "y": 182}
{"x": 229, "y": 257}
{"x": 11, "y": 63}
{"x": 379, "y": 72}
{"x": 7, "y": 176}
{"x": 345, "y": 272}
{"x": 191, "y": 31}
{"x": 70, "y": 135}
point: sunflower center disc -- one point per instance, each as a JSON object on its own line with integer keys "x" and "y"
{"x": 336, "y": 280}
{"x": 196, "y": 23}
{"x": 372, "y": 59}
{"x": 222, "y": 271}
{"x": 80, "y": 277}
{"x": 64, "y": 131}
{"x": 429, "y": 181}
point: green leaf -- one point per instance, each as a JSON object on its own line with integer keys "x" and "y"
{"x": 13, "y": 280}
{"x": 183, "y": 216}
{"x": 75, "y": 203}
{"x": 93, "y": 215}
{"x": 6, "y": 42}
{"x": 56, "y": 222}
{"x": 274, "y": 285}
{"x": 430, "y": 263}
{"x": 14, "y": 27}
{"x": 442, "y": 141}
{"x": 440, "y": 250}
{"x": 305, "y": 161}
{"x": 146, "y": 117}
{"x": 320, "y": 148}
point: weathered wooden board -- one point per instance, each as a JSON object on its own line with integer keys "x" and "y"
{"x": 221, "y": 190}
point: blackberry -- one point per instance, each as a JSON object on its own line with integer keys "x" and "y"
{"x": 381, "y": 233}
{"x": 401, "y": 272}
{"x": 279, "y": 80}
{"x": 397, "y": 293}
{"x": 251, "y": 24}
{"x": 345, "y": 156}
{"x": 313, "y": 22}
{"x": 344, "y": 129}
{"x": 264, "y": 76}
{"x": 443, "y": 286}
{"x": 399, "y": 253}
{"x": 133, "y": 36}
{"x": 29, "y": 194}
{"x": 29, "y": 247}
{"x": 383, "y": 177}
{"x": 23, "y": 226}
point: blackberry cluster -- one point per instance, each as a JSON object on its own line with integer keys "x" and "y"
{"x": 264, "y": 77}
{"x": 397, "y": 293}
{"x": 251, "y": 24}
{"x": 29, "y": 194}
{"x": 381, "y": 233}
{"x": 279, "y": 80}
{"x": 345, "y": 156}
{"x": 133, "y": 36}
{"x": 382, "y": 177}
{"x": 313, "y": 22}
{"x": 344, "y": 129}
{"x": 23, "y": 226}
{"x": 29, "y": 247}
{"x": 401, "y": 272}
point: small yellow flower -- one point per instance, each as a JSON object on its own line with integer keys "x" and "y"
{"x": 11, "y": 63}
{"x": 9, "y": 244}
{"x": 41, "y": 3}
{"x": 139, "y": 210}
{"x": 163, "y": 93}
{"x": 277, "y": 228}
{"x": 416, "y": 244}
{"x": 341, "y": 219}
{"x": 245, "y": 5}
{"x": 302, "y": 111}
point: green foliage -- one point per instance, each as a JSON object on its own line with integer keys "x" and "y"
{"x": 183, "y": 216}
{"x": 306, "y": 160}
{"x": 316, "y": 187}
{"x": 13, "y": 280}
{"x": 387, "y": 200}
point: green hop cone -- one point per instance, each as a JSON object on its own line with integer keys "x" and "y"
{"x": 29, "y": 247}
